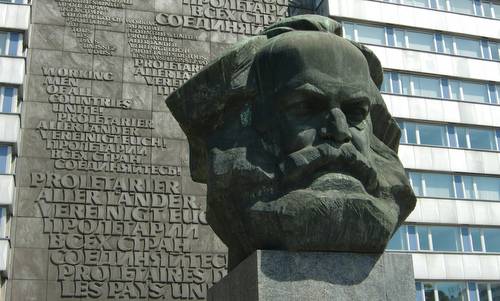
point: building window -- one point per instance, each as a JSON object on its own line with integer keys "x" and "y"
{"x": 421, "y": 40}
{"x": 457, "y": 291}
{"x": 11, "y": 43}
{"x": 6, "y": 159}
{"x": 8, "y": 100}
{"x": 442, "y": 291}
{"x": 445, "y": 239}
{"x": 448, "y": 136}
{"x": 441, "y": 185}
{"x": 441, "y": 88}
{"x": 14, "y": 1}
{"x": 3, "y": 222}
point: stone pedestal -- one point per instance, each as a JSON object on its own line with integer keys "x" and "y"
{"x": 316, "y": 276}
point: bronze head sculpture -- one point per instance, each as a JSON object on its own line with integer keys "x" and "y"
{"x": 290, "y": 133}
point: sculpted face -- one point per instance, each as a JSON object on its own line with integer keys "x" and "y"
{"x": 319, "y": 100}
{"x": 296, "y": 164}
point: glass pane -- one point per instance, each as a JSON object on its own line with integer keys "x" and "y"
{"x": 411, "y": 132}
{"x": 495, "y": 291}
{"x": 495, "y": 55}
{"x": 386, "y": 84}
{"x": 486, "y": 10}
{"x": 483, "y": 291}
{"x": 8, "y": 100}
{"x": 423, "y": 237}
{"x": 3, "y": 42}
{"x": 468, "y": 47}
{"x": 475, "y": 92}
{"x": 462, "y": 6}
{"x": 462, "y": 137}
{"x": 400, "y": 38}
{"x": 445, "y": 239}
{"x": 420, "y": 293}
{"x": 15, "y": 38}
{"x": 488, "y": 188}
{"x": 429, "y": 292}
{"x": 398, "y": 240}
{"x": 496, "y": 10}
{"x": 432, "y": 134}
{"x": 371, "y": 34}
{"x": 348, "y": 31}
{"x": 4, "y": 164}
{"x": 466, "y": 241}
{"x": 451, "y": 291}
{"x": 455, "y": 89}
{"x": 420, "y": 3}
{"x": 448, "y": 44}
{"x": 438, "y": 185}
{"x": 476, "y": 239}
{"x": 469, "y": 188}
{"x": 482, "y": 139}
{"x": 492, "y": 240}
{"x": 420, "y": 41}
{"x": 405, "y": 83}
{"x": 416, "y": 183}
{"x": 426, "y": 87}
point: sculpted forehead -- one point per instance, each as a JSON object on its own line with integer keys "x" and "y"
{"x": 298, "y": 57}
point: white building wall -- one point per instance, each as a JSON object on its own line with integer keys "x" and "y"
{"x": 449, "y": 159}
{"x": 407, "y": 107}
{"x": 436, "y": 63}
{"x": 12, "y": 70}
{"x": 456, "y": 212}
{"x": 9, "y": 128}
{"x": 456, "y": 266}
{"x": 15, "y": 17}
{"x": 7, "y": 187}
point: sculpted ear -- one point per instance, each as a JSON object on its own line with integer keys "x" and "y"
{"x": 385, "y": 127}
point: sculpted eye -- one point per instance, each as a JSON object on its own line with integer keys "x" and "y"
{"x": 355, "y": 111}
{"x": 303, "y": 104}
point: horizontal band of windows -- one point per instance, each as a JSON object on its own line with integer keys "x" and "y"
{"x": 428, "y": 41}
{"x": 449, "y": 239}
{"x": 14, "y": 1}
{"x": 455, "y": 186}
{"x": 450, "y": 136}
{"x": 440, "y": 88}
{"x": 457, "y": 290}
{"x": 484, "y": 9}
{"x": 11, "y": 43}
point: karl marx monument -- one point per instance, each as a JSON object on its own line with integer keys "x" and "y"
{"x": 292, "y": 137}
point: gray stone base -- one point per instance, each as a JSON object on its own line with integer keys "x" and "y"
{"x": 290, "y": 276}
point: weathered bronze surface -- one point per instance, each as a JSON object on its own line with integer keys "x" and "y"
{"x": 290, "y": 133}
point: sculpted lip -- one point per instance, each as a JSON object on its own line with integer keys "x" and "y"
{"x": 311, "y": 162}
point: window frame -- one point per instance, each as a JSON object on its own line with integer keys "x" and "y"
{"x": 15, "y": 103}
{"x": 8, "y": 41}
{"x": 9, "y": 161}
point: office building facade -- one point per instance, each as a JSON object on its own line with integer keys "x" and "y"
{"x": 442, "y": 83}
{"x": 14, "y": 24}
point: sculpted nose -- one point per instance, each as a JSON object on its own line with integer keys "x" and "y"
{"x": 336, "y": 127}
